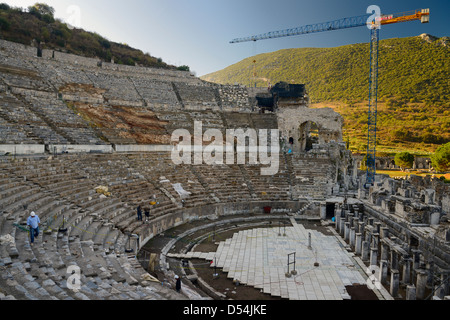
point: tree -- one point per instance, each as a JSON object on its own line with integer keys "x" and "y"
{"x": 366, "y": 162}
{"x": 43, "y": 12}
{"x": 42, "y": 9}
{"x": 404, "y": 160}
{"x": 4, "y": 6}
{"x": 441, "y": 159}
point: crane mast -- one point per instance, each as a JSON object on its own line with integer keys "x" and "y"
{"x": 373, "y": 108}
{"x": 373, "y": 23}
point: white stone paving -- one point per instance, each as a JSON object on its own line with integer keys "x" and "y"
{"x": 259, "y": 257}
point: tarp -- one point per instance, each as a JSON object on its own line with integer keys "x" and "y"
{"x": 286, "y": 90}
{"x": 179, "y": 189}
{"x": 103, "y": 190}
{"x": 265, "y": 101}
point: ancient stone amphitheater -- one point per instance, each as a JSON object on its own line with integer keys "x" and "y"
{"x": 82, "y": 144}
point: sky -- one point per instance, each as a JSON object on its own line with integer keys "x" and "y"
{"x": 197, "y": 33}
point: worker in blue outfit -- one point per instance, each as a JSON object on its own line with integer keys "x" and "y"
{"x": 33, "y": 222}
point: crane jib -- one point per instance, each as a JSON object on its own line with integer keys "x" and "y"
{"x": 344, "y": 23}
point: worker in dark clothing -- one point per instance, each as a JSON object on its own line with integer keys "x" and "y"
{"x": 178, "y": 283}
{"x": 139, "y": 213}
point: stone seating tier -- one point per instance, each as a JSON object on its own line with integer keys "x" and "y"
{"x": 62, "y": 191}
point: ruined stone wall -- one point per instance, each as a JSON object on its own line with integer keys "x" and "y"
{"x": 90, "y": 88}
{"x": 388, "y": 163}
{"x": 292, "y": 121}
{"x": 124, "y": 85}
{"x": 18, "y": 48}
{"x": 417, "y": 200}
{"x": 234, "y": 98}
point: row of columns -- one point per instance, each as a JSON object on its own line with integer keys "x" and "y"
{"x": 386, "y": 255}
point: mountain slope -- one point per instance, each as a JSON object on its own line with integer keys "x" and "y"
{"x": 410, "y": 67}
{"x": 414, "y": 87}
{"x": 38, "y": 27}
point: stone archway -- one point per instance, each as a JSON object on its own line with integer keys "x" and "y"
{"x": 309, "y": 126}
{"x": 308, "y": 135}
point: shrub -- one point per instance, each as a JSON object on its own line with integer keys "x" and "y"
{"x": 404, "y": 160}
{"x": 48, "y": 18}
{"x": 105, "y": 43}
{"x": 431, "y": 138}
{"x": 4, "y": 24}
{"x": 441, "y": 159}
{"x": 183, "y": 68}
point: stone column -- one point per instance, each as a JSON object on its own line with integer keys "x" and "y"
{"x": 416, "y": 259}
{"x": 411, "y": 292}
{"x": 358, "y": 244}
{"x": 356, "y": 225}
{"x": 430, "y": 272}
{"x": 384, "y": 251}
{"x": 323, "y": 211}
{"x": 394, "y": 260}
{"x": 373, "y": 256}
{"x": 421, "y": 284}
{"x": 361, "y": 216}
{"x": 375, "y": 240}
{"x": 407, "y": 271}
{"x": 341, "y": 226}
{"x": 361, "y": 228}
{"x": 365, "y": 250}
{"x": 346, "y": 231}
{"x": 394, "y": 283}
{"x": 368, "y": 236}
{"x": 377, "y": 227}
{"x": 352, "y": 237}
{"x": 337, "y": 221}
{"x": 445, "y": 275}
{"x": 350, "y": 219}
{"x": 383, "y": 271}
{"x": 365, "y": 219}
{"x": 384, "y": 233}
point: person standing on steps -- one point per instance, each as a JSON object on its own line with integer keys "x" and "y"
{"x": 33, "y": 222}
{"x": 139, "y": 213}
{"x": 177, "y": 283}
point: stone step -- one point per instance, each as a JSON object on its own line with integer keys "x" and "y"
{"x": 19, "y": 201}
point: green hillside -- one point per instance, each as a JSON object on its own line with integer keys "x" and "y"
{"x": 414, "y": 87}
{"x": 37, "y": 26}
